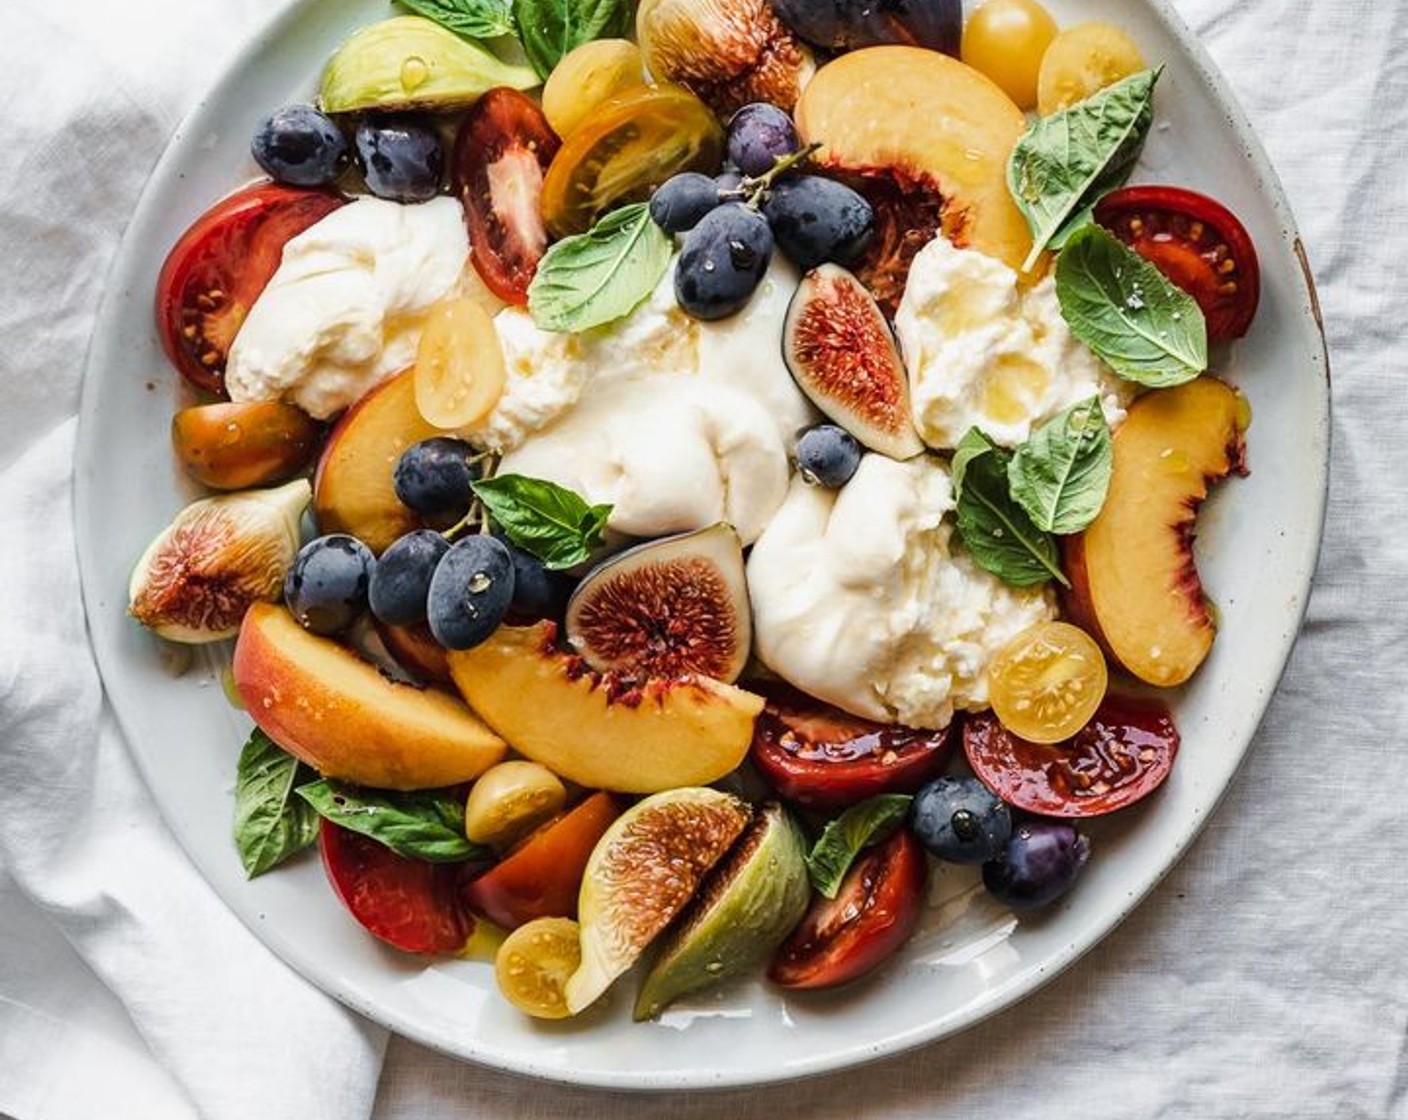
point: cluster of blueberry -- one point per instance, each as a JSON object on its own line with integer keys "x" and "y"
{"x": 463, "y": 590}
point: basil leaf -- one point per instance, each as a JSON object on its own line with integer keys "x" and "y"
{"x": 551, "y": 28}
{"x": 474, "y": 19}
{"x": 1064, "y": 162}
{"x": 540, "y": 517}
{"x": 602, "y": 275}
{"x": 1142, "y": 325}
{"x": 426, "y": 824}
{"x": 270, "y": 823}
{"x": 994, "y": 529}
{"x": 843, "y": 839}
{"x": 1061, "y": 475}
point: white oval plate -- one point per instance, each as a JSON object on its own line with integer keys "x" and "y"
{"x": 1258, "y": 545}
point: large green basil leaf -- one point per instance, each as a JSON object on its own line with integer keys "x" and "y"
{"x": 426, "y": 824}
{"x": 551, "y": 28}
{"x": 553, "y": 523}
{"x": 473, "y": 19}
{"x": 271, "y": 824}
{"x": 1061, "y": 475}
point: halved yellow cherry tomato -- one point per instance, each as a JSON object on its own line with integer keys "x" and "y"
{"x": 632, "y": 143}
{"x": 511, "y": 799}
{"x": 534, "y": 964}
{"x": 1006, "y": 40}
{"x": 1083, "y": 60}
{"x": 587, "y": 76}
{"x": 459, "y": 374}
{"x": 1046, "y": 683}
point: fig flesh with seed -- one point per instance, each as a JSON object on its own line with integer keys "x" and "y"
{"x": 667, "y": 609}
{"x": 842, "y": 354}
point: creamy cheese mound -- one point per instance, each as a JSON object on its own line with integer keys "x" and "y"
{"x": 981, "y": 353}
{"x": 676, "y": 423}
{"x": 859, "y": 600}
{"x": 345, "y": 309}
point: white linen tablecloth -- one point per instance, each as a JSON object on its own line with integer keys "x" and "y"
{"x": 1263, "y": 978}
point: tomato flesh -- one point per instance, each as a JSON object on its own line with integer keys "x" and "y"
{"x": 1197, "y": 243}
{"x": 219, "y": 267}
{"x": 407, "y": 903}
{"x": 1121, "y": 756}
{"x": 873, "y": 914}
{"x": 502, "y": 153}
{"x": 820, "y": 757}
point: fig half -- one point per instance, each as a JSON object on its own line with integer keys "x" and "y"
{"x": 667, "y": 609}
{"x": 841, "y": 353}
{"x": 746, "y": 908}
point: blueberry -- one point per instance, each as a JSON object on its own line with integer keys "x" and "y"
{"x": 723, "y": 261}
{"x": 401, "y": 579}
{"x": 432, "y": 477}
{"x": 538, "y": 592}
{"x": 326, "y": 588}
{"x": 816, "y": 220}
{"x": 400, "y": 157}
{"x": 758, "y": 136}
{"x": 300, "y": 146}
{"x": 1040, "y": 864}
{"x": 682, "y": 201}
{"x": 828, "y": 456}
{"x": 959, "y": 820}
{"x": 470, "y": 592}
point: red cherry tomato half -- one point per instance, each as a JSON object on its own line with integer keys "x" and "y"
{"x": 502, "y": 153}
{"x": 872, "y": 915}
{"x": 542, "y": 876}
{"x": 407, "y": 903}
{"x": 1197, "y": 243}
{"x": 1122, "y": 755}
{"x": 824, "y": 758}
{"x": 217, "y": 269}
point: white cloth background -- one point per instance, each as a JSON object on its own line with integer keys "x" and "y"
{"x": 1264, "y": 977}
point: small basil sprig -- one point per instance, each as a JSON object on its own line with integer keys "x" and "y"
{"x": 271, "y": 824}
{"x": 1140, "y": 324}
{"x": 550, "y": 521}
{"x": 551, "y": 28}
{"x": 426, "y": 825}
{"x": 1061, "y": 475}
{"x": 996, "y": 531}
{"x": 843, "y": 839}
{"x": 597, "y": 277}
{"x": 1063, "y": 163}
{"x": 473, "y": 19}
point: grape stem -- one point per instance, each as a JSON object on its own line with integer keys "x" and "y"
{"x": 478, "y": 516}
{"x": 753, "y": 189}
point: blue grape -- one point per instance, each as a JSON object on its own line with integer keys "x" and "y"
{"x": 432, "y": 477}
{"x": 401, "y": 157}
{"x": 538, "y": 592}
{"x": 1040, "y": 864}
{"x": 724, "y": 258}
{"x": 300, "y": 146}
{"x": 828, "y": 456}
{"x": 817, "y": 220}
{"x": 401, "y": 580}
{"x": 758, "y": 136}
{"x": 470, "y": 592}
{"x": 326, "y": 588}
{"x": 682, "y": 201}
{"x": 959, "y": 820}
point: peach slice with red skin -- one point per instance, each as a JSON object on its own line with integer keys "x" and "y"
{"x": 1134, "y": 585}
{"x": 325, "y": 705}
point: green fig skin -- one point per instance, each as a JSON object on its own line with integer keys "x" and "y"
{"x": 746, "y": 908}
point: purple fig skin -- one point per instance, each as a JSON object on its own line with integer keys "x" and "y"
{"x": 840, "y": 25}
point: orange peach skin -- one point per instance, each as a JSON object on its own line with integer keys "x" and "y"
{"x": 336, "y": 712}
{"x": 1134, "y": 586}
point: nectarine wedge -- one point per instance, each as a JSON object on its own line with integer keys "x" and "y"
{"x": 324, "y": 704}
{"x": 596, "y": 729}
{"x": 1134, "y": 583}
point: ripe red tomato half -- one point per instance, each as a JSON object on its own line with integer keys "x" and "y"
{"x": 217, "y": 269}
{"x": 407, "y": 903}
{"x": 542, "y": 876}
{"x": 1121, "y": 756}
{"x": 502, "y": 153}
{"x": 821, "y": 757}
{"x": 872, "y": 915}
{"x": 1197, "y": 243}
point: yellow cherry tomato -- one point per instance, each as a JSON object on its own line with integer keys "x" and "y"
{"x": 510, "y": 800}
{"x": 586, "y": 77}
{"x": 1083, "y": 60}
{"x": 1006, "y": 40}
{"x": 1046, "y": 683}
{"x": 534, "y": 964}
{"x": 459, "y": 374}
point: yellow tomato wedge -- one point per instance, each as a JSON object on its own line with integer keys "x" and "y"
{"x": 1046, "y": 683}
{"x": 586, "y": 77}
{"x": 510, "y": 800}
{"x": 1083, "y": 60}
{"x": 459, "y": 373}
{"x": 534, "y": 964}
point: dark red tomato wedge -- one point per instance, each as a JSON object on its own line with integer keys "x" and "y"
{"x": 502, "y": 153}
{"x": 1197, "y": 243}
{"x": 821, "y": 757}
{"x": 409, "y": 904}
{"x": 872, "y": 915}
{"x": 218, "y": 268}
{"x": 1121, "y": 756}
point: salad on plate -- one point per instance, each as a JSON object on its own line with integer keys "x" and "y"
{"x": 685, "y": 475}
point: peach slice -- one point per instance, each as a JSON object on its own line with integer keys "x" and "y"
{"x": 600, "y": 730}
{"x": 1134, "y": 584}
{"x": 353, "y": 491}
{"x": 324, "y": 704}
{"x": 927, "y": 139}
